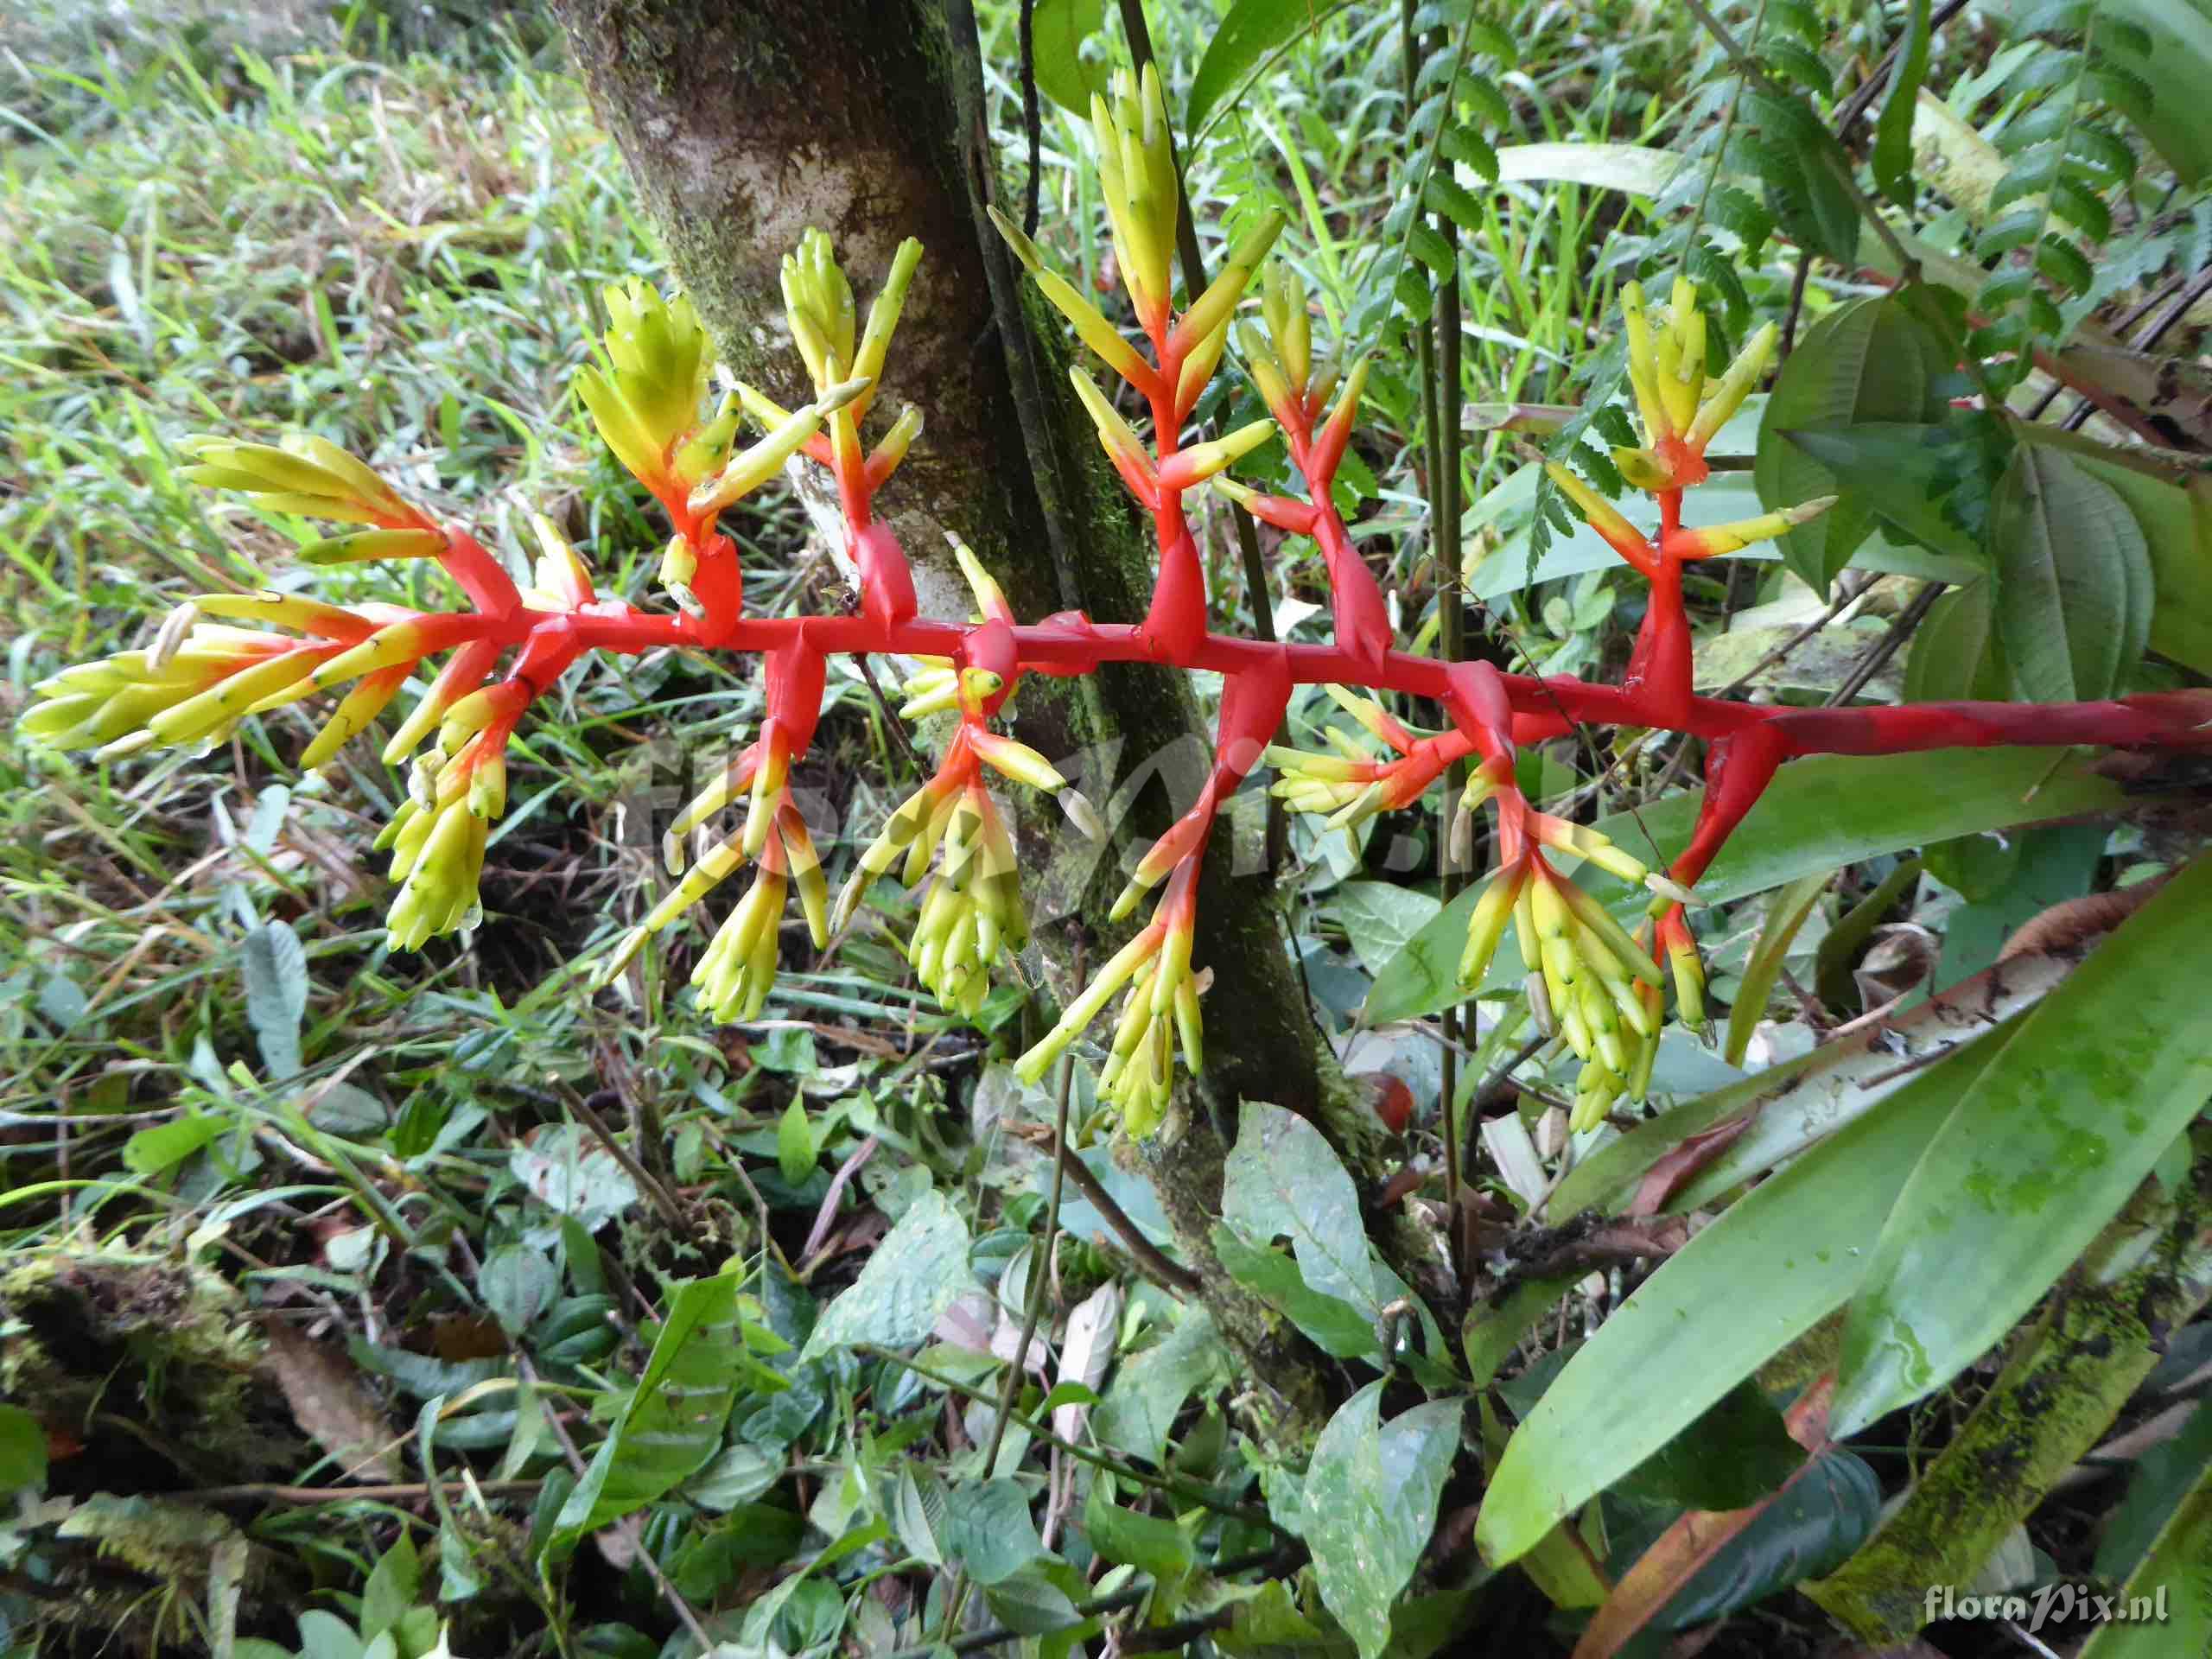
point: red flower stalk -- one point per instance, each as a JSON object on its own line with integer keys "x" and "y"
{"x": 1597, "y": 984}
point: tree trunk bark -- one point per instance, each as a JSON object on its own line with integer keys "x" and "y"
{"x": 744, "y": 123}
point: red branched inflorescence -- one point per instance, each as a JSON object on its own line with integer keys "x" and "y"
{"x": 1599, "y": 986}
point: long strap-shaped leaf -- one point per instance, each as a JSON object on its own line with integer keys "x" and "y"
{"x": 2040, "y": 1154}
{"x": 1775, "y": 1264}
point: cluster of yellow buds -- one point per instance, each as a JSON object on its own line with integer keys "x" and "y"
{"x": 1666, "y": 369}
{"x": 1589, "y": 980}
{"x": 196, "y": 680}
{"x": 1354, "y": 784}
{"x": 1161, "y": 1014}
{"x": 436, "y": 839}
{"x": 645, "y": 401}
{"x": 974, "y": 911}
{"x": 735, "y": 974}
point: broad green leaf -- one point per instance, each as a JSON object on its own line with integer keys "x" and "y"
{"x": 1952, "y": 657}
{"x": 2043, "y": 866}
{"x": 1251, "y": 30}
{"x": 673, "y": 1424}
{"x": 393, "y": 1583}
{"x": 2176, "y": 525}
{"x": 2177, "y": 67}
{"x": 2164, "y": 1476}
{"x": 1807, "y": 1530}
{"x": 919, "y": 1509}
{"x": 1370, "y": 1504}
{"x": 795, "y": 1151}
{"x": 1033, "y": 1605}
{"x": 1148, "y": 1389}
{"x": 1899, "y": 471}
{"x": 1379, "y": 916}
{"x": 2170, "y": 1612}
{"x": 1737, "y": 1451}
{"x": 568, "y": 1172}
{"x": 2039, "y": 1155}
{"x": 517, "y": 1284}
{"x": 2073, "y": 590}
{"x": 987, "y": 1529}
{"x": 911, "y": 1277}
{"x": 23, "y": 1450}
{"x": 163, "y": 1146}
{"x": 737, "y": 1475}
{"x": 1892, "y": 155}
{"x": 1768, "y": 1269}
{"x": 1151, "y": 1544}
{"x": 1058, "y": 30}
{"x": 1820, "y": 814}
{"x": 275, "y": 967}
{"x": 1332, "y": 1323}
{"x": 1868, "y": 360}
{"x": 1283, "y": 1177}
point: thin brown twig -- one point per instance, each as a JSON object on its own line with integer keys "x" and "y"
{"x": 1148, "y": 1256}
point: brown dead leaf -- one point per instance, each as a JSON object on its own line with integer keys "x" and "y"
{"x": 332, "y": 1404}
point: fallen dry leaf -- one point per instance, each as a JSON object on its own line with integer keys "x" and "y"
{"x": 332, "y": 1404}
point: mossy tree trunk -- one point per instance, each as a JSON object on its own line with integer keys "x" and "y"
{"x": 743, "y": 124}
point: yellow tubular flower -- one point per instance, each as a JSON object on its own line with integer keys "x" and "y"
{"x": 1714, "y": 539}
{"x": 738, "y": 969}
{"x": 1090, "y": 325}
{"x": 1729, "y": 391}
{"x": 1643, "y": 367}
{"x": 307, "y": 476}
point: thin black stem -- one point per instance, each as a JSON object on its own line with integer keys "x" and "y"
{"x": 1897, "y": 632}
{"x": 1033, "y": 117}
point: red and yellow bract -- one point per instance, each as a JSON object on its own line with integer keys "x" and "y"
{"x": 1599, "y": 986}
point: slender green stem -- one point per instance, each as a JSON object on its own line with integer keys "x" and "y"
{"x": 1188, "y": 1490}
{"x": 1040, "y": 1272}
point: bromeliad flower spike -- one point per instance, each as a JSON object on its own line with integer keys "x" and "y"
{"x": 1602, "y": 986}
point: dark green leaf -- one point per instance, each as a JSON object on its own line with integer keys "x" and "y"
{"x": 2073, "y": 590}
{"x": 2164, "y": 1476}
{"x": 1331, "y": 1323}
{"x": 1370, "y": 1505}
{"x": 23, "y": 1450}
{"x": 987, "y": 1529}
{"x": 1869, "y": 360}
{"x": 517, "y": 1284}
{"x": 1821, "y": 813}
{"x": 1893, "y": 131}
{"x": 1151, "y": 1544}
{"x": 673, "y": 1423}
{"x": 1736, "y": 1453}
{"x": 1284, "y": 1178}
{"x": 1807, "y": 1531}
{"x": 911, "y": 1277}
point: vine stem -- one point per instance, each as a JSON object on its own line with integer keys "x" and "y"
{"x": 1439, "y": 363}
{"x": 1189, "y": 1492}
{"x": 1040, "y": 1271}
